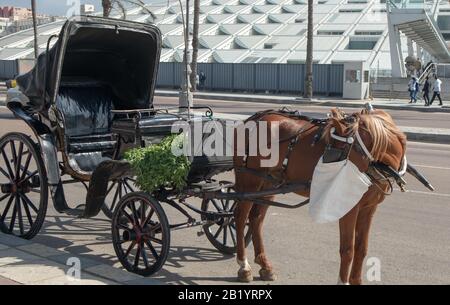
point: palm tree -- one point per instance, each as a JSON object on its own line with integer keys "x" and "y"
{"x": 195, "y": 45}
{"x": 309, "y": 54}
{"x": 33, "y": 11}
{"x": 108, "y": 6}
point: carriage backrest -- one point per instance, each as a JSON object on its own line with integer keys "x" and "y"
{"x": 86, "y": 109}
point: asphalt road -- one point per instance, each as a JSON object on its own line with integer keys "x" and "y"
{"x": 410, "y": 234}
{"x": 401, "y": 117}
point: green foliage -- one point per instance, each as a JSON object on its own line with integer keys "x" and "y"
{"x": 156, "y": 166}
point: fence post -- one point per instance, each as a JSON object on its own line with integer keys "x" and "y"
{"x": 232, "y": 77}
{"x": 328, "y": 79}
{"x": 254, "y": 77}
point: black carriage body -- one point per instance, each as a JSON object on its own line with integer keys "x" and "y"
{"x": 140, "y": 131}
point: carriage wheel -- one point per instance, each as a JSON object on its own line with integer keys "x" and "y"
{"x": 116, "y": 190}
{"x": 222, "y": 233}
{"x": 24, "y": 188}
{"x": 141, "y": 234}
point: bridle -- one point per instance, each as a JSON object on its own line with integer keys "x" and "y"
{"x": 377, "y": 171}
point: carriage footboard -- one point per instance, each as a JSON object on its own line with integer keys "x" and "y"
{"x": 97, "y": 191}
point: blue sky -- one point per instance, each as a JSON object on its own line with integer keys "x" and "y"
{"x": 54, "y": 7}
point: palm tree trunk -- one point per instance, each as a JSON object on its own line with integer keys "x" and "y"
{"x": 107, "y": 5}
{"x": 195, "y": 45}
{"x": 309, "y": 53}
{"x": 33, "y": 10}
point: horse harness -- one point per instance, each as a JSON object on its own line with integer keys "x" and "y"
{"x": 377, "y": 171}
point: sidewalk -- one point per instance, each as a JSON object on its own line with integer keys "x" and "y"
{"x": 25, "y": 262}
{"x": 320, "y": 101}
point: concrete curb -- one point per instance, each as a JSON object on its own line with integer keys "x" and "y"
{"x": 429, "y": 135}
{"x": 295, "y": 100}
{"x": 25, "y": 262}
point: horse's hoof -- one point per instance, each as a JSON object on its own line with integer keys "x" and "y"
{"x": 267, "y": 275}
{"x": 245, "y": 276}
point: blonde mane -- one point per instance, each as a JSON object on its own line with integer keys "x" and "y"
{"x": 378, "y": 124}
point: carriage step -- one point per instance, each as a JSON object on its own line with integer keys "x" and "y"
{"x": 74, "y": 212}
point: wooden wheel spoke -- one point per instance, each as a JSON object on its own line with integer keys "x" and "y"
{"x": 114, "y": 199}
{"x": 37, "y": 191}
{"x": 110, "y": 188}
{"x": 152, "y": 249}
{"x": 27, "y": 212}
{"x": 128, "y": 216}
{"x": 215, "y": 204}
{"x": 144, "y": 254}
{"x": 29, "y": 176}
{"x": 225, "y": 235}
{"x": 8, "y": 166}
{"x": 135, "y": 213}
{"x": 156, "y": 240}
{"x": 128, "y": 185}
{"x": 5, "y": 173}
{"x": 137, "y": 256}
{"x": 4, "y": 197}
{"x": 28, "y": 201}
{"x": 6, "y": 210}
{"x": 155, "y": 228}
{"x": 233, "y": 237}
{"x": 142, "y": 214}
{"x": 19, "y": 214}
{"x": 19, "y": 159}
{"x": 218, "y": 232}
{"x": 130, "y": 247}
{"x": 13, "y": 153}
{"x": 123, "y": 226}
{"x": 13, "y": 219}
{"x": 25, "y": 167}
{"x": 147, "y": 219}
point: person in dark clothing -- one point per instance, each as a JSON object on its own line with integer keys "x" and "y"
{"x": 426, "y": 92}
{"x": 202, "y": 79}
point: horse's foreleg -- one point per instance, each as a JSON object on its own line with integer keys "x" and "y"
{"x": 241, "y": 215}
{"x": 257, "y": 215}
{"x": 363, "y": 223}
{"x": 347, "y": 226}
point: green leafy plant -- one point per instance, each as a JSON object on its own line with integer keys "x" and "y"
{"x": 156, "y": 166}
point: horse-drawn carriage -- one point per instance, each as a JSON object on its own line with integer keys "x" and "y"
{"x": 88, "y": 99}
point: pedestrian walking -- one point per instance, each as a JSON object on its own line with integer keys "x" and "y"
{"x": 413, "y": 88}
{"x": 426, "y": 92}
{"x": 437, "y": 86}
{"x": 202, "y": 79}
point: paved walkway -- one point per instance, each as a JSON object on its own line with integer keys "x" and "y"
{"x": 25, "y": 262}
{"x": 320, "y": 101}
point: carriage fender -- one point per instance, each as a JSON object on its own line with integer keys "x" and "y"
{"x": 50, "y": 157}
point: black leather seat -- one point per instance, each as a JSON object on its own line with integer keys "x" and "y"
{"x": 86, "y": 109}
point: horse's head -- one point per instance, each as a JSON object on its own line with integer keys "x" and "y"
{"x": 370, "y": 139}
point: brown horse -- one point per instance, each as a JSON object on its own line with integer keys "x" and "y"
{"x": 383, "y": 142}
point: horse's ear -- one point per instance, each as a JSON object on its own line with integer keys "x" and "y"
{"x": 339, "y": 126}
{"x": 337, "y": 113}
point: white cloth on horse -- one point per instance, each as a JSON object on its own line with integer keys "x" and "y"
{"x": 336, "y": 188}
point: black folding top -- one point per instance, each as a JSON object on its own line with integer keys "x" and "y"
{"x": 122, "y": 56}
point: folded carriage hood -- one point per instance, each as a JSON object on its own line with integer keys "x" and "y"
{"x": 119, "y": 54}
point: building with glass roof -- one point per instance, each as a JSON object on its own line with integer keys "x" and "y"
{"x": 267, "y": 31}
